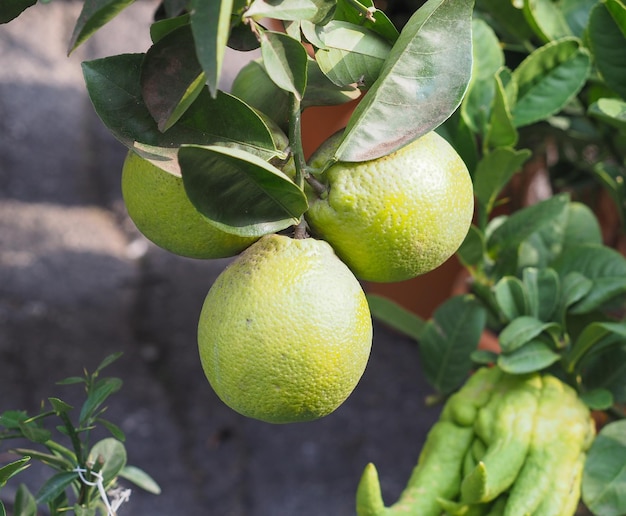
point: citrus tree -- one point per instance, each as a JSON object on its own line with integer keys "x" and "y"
{"x": 449, "y": 107}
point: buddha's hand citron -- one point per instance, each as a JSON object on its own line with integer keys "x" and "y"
{"x": 395, "y": 217}
{"x": 158, "y": 205}
{"x": 285, "y": 331}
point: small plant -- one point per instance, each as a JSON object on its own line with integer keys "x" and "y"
{"x": 85, "y": 475}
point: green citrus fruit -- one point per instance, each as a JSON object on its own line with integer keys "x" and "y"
{"x": 285, "y": 331}
{"x": 158, "y": 205}
{"x": 398, "y": 216}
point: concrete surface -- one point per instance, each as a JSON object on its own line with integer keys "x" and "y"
{"x": 77, "y": 282}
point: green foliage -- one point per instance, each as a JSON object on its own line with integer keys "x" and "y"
{"x": 78, "y": 466}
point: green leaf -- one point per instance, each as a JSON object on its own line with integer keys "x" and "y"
{"x": 35, "y": 433}
{"x": 484, "y": 357}
{"x": 582, "y": 227}
{"x": 377, "y": 21}
{"x": 493, "y": 173}
{"x": 473, "y": 247}
{"x": 522, "y": 330}
{"x": 548, "y": 79}
{"x": 25, "y": 504}
{"x": 604, "y": 475}
{"x": 11, "y": 9}
{"x": 501, "y": 131}
{"x": 115, "y": 430}
{"x": 101, "y": 391}
{"x": 420, "y": 85}
{"x": 604, "y": 266}
{"x": 532, "y": 356}
{"x": 71, "y": 380}
{"x": 285, "y": 61}
{"x": 114, "y": 455}
{"x": 13, "y": 468}
{"x": 523, "y": 223}
{"x": 210, "y": 25}
{"x": 614, "y": 180}
{"x": 460, "y": 136}
{"x": 396, "y": 316}
{"x": 171, "y": 77}
{"x": 59, "y": 406}
{"x": 12, "y": 419}
{"x": 546, "y": 19}
{"x": 315, "y": 11}
{"x": 108, "y": 360}
{"x": 575, "y": 287}
{"x": 606, "y": 371}
{"x": 595, "y": 337}
{"x": 161, "y": 28}
{"x": 3, "y": 511}
{"x": 543, "y": 287}
{"x": 349, "y": 54}
{"x": 576, "y": 13}
{"x": 140, "y": 478}
{"x": 113, "y": 84}
{"x": 239, "y": 191}
{"x": 508, "y": 17}
{"x": 610, "y": 111}
{"x": 448, "y": 341}
{"x": 95, "y": 14}
{"x": 512, "y": 298}
{"x": 488, "y": 58}
{"x": 53, "y": 460}
{"x": 597, "y": 399}
{"x": 321, "y": 91}
{"x": 608, "y": 43}
{"x": 55, "y": 486}
{"x": 618, "y": 12}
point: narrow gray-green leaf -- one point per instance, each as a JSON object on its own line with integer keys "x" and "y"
{"x": 210, "y": 24}
{"x": 604, "y": 476}
{"x": 55, "y": 485}
{"x": 548, "y": 79}
{"x": 102, "y": 390}
{"x": 396, "y": 316}
{"x": 13, "y": 468}
{"x": 285, "y": 61}
{"x": 140, "y": 478}
{"x": 610, "y": 111}
{"x": 547, "y": 19}
{"x": 94, "y": 14}
{"x": 239, "y": 191}
{"x": 448, "y": 340}
{"x": 532, "y": 356}
{"x": 421, "y": 84}
{"x": 315, "y": 11}
{"x": 25, "y": 504}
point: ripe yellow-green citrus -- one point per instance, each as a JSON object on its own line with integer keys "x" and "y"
{"x": 158, "y": 205}
{"x": 398, "y": 216}
{"x": 285, "y": 331}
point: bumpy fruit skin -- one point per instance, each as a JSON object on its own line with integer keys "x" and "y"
{"x": 157, "y": 204}
{"x": 395, "y": 217}
{"x": 285, "y": 331}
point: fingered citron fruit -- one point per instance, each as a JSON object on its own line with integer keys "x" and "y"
{"x": 285, "y": 331}
{"x": 158, "y": 205}
{"x": 398, "y": 216}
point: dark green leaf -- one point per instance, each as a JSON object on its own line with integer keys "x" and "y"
{"x": 508, "y": 18}
{"x": 532, "y": 356}
{"x": 606, "y": 371}
{"x": 35, "y": 433}
{"x": 113, "y": 84}
{"x": 321, "y": 91}
{"x": 25, "y": 504}
{"x": 614, "y": 180}
{"x": 210, "y": 24}
{"x": 501, "y": 131}
{"x": 598, "y": 399}
{"x": 512, "y": 298}
{"x": 59, "y": 406}
{"x": 473, "y": 247}
{"x": 55, "y": 486}
{"x": 548, "y": 79}
{"x": 316, "y": 11}
{"x": 12, "y": 419}
{"x": 421, "y": 84}
{"x": 520, "y": 331}
{"x": 493, "y": 172}
{"x": 576, "y": 13}
{"x": 575, "y": 287}
{"x": 604, "y": 476}
{"x": 285, "y": 61}
{"x": 11, "y": 9}
{"x": 608, "y": 44}
{"x": 448, "y": 341}
{"x": 13, "y": 468}
{"x": 72, "y": 380}
{"x": 460, "y": 136}
{"x": 115, "y": 430}
{"x": 140, "y": 478}
{"x": 171, "y": 77}
{"x": 543, "y": 287}
{"x": 395, "y": 316}
{"x": 544, "y": 245}
{"x": 114, "y": 455}
{"x": 240, "y": 192}
{"x": 52, "y": 460}
{"x": 582, "y": 227}
{"x": 488, "y": 58}
{"x": 102, "y": 390}
{"x": 594, "y": 338}
{"x": 484, "y": 357}
{"x": 610, "y": 111}
{"x": 161, "y": 28}
{"x": 378, "y": 21}
{"x": 546, "y": 19}
{"x": 95, "y": 14}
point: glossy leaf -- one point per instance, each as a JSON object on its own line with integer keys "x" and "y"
{"x": 544, "y": 293}
{"x": 598, "y": 399}
{"x": 54, "y": 486}
{"x": 582, "y": 226}
{"x": 113, "y": 84}
{"x": 113, "y": 453}
{"x": 377, "y": 21}
{"x": 546, "y": 19}
{"x": 210, "y": 24}
{"x": 321, "y": 91}
{"x": 240, "y": 192}
{"x": 604, "y": 475}
{"x": 448, "y": 341}
{"x": 94, "y": 14}
{"x": 285, "y": 61}
{"x": 618, "y": 12}
{"x": 161, "y": 28}
{"x": 610, "y": 111}
{"x": 11, "y": 9}
{"x": 100, "y": 393}
{"x": 608, "y": 44}
{"x": 396, "y": 316}
{"x": 604, "y": 266}
{"x": 421, "y": 84}
{"x": 140, "y": 478}
{"x": 25, "y": 504}
{"x": 13, "y": 468}
{"x": 594, "y": 338}
{"x": 532, "y": 356}
{"x": 488, "y": 58}
{"x": 316, "y": 11}
{"x": 576, "y": 13}
{"x": 575, "y": 287}
{"x": 512, "y": 298}
{"x": 501, "y": 131}
{"x": 171, "y": 77}
{"x": 520, "y": 331}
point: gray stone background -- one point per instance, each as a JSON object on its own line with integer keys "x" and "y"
{"x": 77, "y": 282}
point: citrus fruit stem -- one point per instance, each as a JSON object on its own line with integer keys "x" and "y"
{"x": 295, "y": 140}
